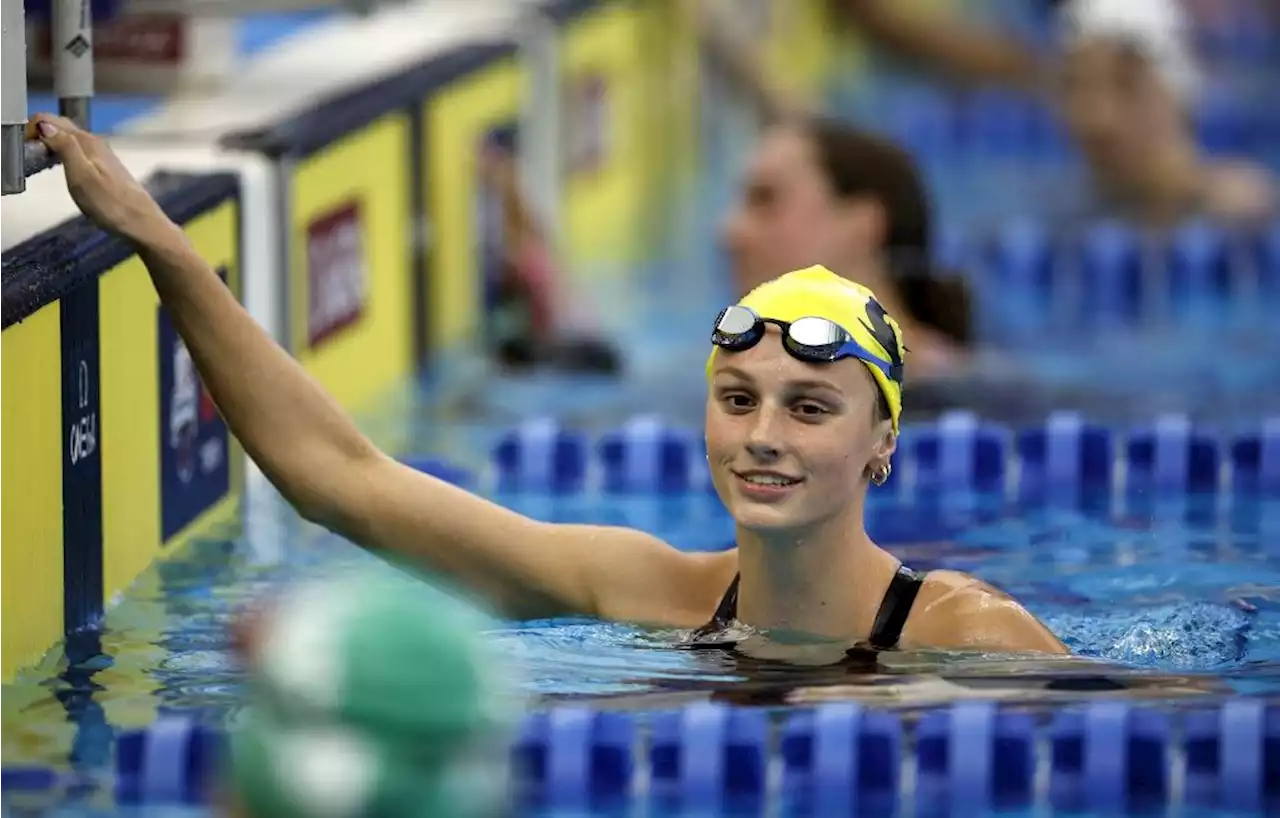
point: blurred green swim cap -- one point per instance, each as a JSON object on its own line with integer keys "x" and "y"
{"x": 375, "y": 695}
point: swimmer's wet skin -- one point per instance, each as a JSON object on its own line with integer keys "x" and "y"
{"x": 795, "y": 434}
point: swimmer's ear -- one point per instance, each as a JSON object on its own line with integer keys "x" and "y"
{"x": 888, "y": 441}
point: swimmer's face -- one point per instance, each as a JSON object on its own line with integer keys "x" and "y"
{"x": 788, "y": 217}
{"x": 813, "y": 426}
{"x": 1114, "y": 104}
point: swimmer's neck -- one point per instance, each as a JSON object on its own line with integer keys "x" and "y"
{"x": 825, "y": 582}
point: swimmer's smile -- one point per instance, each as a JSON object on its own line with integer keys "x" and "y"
{"x": 765, "y": 485}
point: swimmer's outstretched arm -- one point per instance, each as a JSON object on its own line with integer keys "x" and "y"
{"x": 949, "y": 47}
{"x": 333, "y": 475}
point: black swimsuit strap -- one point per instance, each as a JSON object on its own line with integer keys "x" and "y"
{"x": 725, "y": 613}
{"x": 895, "y": 608}
{"x": 891, "y": 618}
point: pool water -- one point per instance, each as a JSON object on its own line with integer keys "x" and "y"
{"x": 1167, "y": 601}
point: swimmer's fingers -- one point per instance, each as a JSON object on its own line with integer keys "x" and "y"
{"x": 60, "y": 135}
{"x": 98, "y": 182}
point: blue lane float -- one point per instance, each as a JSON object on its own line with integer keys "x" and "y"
{"x": 958, "y": 453}
{"x": 575, "y": 758}
{"x": 708, "y": 756}
{"x": 1107, "y": 275}
{"x": 943, "y": 126}
{"x": 958, "y": 450}
{"x": 172, "y": 762}
{"x": 1107, "y": 756}
{"x": 648, "y": 456}
{"x": 1170, "y": 457}
{"x": 28, "y": 779}
{"x": 976, "y": 755}
{"x": 1199, "y": 261}
{"x": 541, "y": 455}
{"x": 1110, "y": 266}
{"x": 1233, "y": 756}
{"x": 1110, "y": 757}
{"x": 1066, "y": 454}
{"x": 1255, "y": 459}
{"x": 839, "y": 758}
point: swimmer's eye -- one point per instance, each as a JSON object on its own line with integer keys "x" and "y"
{"x": 738, "y": 401}
{"x": 760, "y": 195}
{"x": 811, "y": 411}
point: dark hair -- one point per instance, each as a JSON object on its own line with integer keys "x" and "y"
{"x": 857, "y": 163}
{"x": 882, "y": 407}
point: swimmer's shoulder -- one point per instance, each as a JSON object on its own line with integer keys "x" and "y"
{"x": 959, "y": 612}
{"x": 1240, "y": 191}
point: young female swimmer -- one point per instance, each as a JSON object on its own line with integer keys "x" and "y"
{"x": 800, "y": 418}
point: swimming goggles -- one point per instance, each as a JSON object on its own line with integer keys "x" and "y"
{"x": 810, "y": 339}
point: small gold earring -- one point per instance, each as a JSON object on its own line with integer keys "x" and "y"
{"x": 881, "y": 476}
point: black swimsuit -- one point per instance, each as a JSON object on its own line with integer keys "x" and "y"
{"x": 885, "y": 633}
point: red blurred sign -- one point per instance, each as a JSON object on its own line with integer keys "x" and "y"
{"x": 158, "y": 39}
{"x": 336, "y": 276}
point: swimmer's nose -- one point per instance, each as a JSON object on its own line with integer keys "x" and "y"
{"x": 762, "y": 440}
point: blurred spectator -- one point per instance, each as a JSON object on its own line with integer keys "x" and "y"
{"x": 1122, "y": 75}
{"x": 820, "y": 192}
{"x": 526, "y": 325}
{"x": 1127, "y": 85}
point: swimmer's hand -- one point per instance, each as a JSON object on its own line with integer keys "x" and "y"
{"x": 97, "y": 180}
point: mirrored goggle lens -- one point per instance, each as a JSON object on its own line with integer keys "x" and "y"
{"x": 817, "y": 338}
{"x": 736, "y": 326}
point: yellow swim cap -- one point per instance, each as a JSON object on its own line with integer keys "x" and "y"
{"x": 818, "y": 292}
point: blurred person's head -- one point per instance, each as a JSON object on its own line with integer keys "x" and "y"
{"x": 370, "y": 695}
{"x": 817, "y": 191}
{"x": 1127, "y": 82}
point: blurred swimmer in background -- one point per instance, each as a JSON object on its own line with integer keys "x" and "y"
{"x": 1127, "y": 84}
{"x": 1123, "y": 78}
{"x": 818, "y": 191}
{"x": 533, "y": 318}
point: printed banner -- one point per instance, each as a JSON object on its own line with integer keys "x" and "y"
{"x": 82, "y": 458}
{"x": 337, "y": 282}
{"x": 351, "y": 315}
{"x": 587, "y": 124}
{"x": 195, "y": 471}
{"x": 141, "y": 53}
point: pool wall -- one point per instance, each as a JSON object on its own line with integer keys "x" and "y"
{"x": 114, "y": 454}
{"x": 348, "y": 224}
